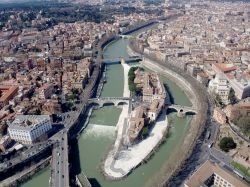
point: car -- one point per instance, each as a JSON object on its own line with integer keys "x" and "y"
{"x": 210, "y": 145}
{"x": 208, "y": 134}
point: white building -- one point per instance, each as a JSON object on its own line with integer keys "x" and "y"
{"x": 241, "y": 87}
{"x": 28, "y": 128}
{"x": 220, "y": 86}
{"x": 166, "y": 3}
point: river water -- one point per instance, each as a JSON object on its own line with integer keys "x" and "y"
{"x": 100, "y": 133}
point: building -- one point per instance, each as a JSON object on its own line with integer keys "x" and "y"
{"x": 4, "y": 142}
{"x": 240, "y": 85}
{"x": 155, "y": 109}
{"x": 243, "y": 156}
{"x": 52, "y": 106}
{"x": 223, "y": 68}
{"x": 193, "y": 69}
{"x": 230, "y": 110}
{"x": 220, "y": 86}
{"x": 46, "y": 91}
{"x": 136, "y": 124}
{"x": 237, "y": 79}
{"x": 211, "y": 174}
{"x": 166, "y": 3}
{"x": 219, "y": 116}
{"x": 152, "y": 88}
{"x": 6, "y": 94}
{"x": 233, "y": 111}
{"x": 154, "y": 97}
{"x": 203, "y": 78}
{"x": 28, "y": 128}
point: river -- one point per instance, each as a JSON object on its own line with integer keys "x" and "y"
{"x": 100, "y": 133}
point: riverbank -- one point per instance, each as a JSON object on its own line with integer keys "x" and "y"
{"x": 25, "y": 175}
{"x": 198, "y": 99}
{"x": 109, "y": 170}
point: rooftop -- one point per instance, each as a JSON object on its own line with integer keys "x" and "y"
{"x": 207, "y": 170}
{"x": 28, "y": 121}
{"x": 7, "y": 91}
{"x": 225, "y": 67}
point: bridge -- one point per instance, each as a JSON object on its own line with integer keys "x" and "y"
{"x": 122, "y": 60}
{"x": 109, "y": 100}
{"x": 182, "y": 110}
{"x": 125, "y": 36}
{"x": 60, "y": 163}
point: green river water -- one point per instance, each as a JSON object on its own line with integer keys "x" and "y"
{"x": 100, "y": 133}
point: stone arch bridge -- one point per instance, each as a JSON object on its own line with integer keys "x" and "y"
{"x": 182, "y": 110}
{"x": 116, "y": 101}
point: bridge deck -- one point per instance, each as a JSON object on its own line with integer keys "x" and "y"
{"x": 60, "y": 169}
{"x": 109, "y": 98}
{"x": 184, "y": 108}
{"x": 118, "y": 60}
{"x": 83, "y": 180}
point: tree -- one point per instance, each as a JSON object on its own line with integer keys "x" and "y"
{"x": 244, "y": 123}
{"x": 218, "y": 101}
{"x": 231, "y": 96}
{"x": 241, "y": 119}
{"x": 144, "y": 133}
{"x": 227, "y": 143}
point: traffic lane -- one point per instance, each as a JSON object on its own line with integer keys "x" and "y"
{"x": 220, "y": 155}
{"x": 57, "y": 163}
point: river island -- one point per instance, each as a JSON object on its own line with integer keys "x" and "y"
{"x": 143, "y": 125}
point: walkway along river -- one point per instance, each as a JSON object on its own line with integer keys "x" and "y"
{"x": 97, "y": 138}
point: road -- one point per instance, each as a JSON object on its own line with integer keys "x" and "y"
{"x": 25, "y": 155}
{"x": 60, "y": 165}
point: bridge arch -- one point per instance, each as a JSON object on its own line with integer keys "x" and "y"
{"x": 120, "y": 103}
{"x": 169, "y": 110}
{"x": 182, "y": 110}
{"x": 116, "y": 101}
{"x": 108, "y": 103}
{"x": 190, "y": 113}
{"x": 94, "y": 104}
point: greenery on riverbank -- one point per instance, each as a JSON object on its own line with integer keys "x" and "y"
{"x": 131, "y": 77}
{"x": 241, "y": 168}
